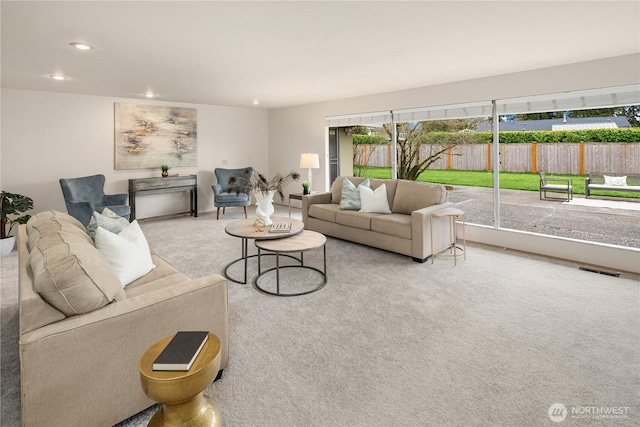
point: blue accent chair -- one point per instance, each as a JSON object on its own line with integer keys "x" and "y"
{"x": 85, "y": 195}
{"x": 233, "y": 189}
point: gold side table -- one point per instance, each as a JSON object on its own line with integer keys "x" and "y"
{"x": 181, "y": 393}
{"x": 452, "y": 214}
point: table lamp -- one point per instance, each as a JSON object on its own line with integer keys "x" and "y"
{"x": 309, "y": 161}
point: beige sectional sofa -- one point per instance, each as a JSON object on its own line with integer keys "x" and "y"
{"x": 406, "y": 230}
{"x": 82, "y": 334}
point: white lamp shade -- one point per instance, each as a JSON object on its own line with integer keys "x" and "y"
{"x": 309, "y": 160}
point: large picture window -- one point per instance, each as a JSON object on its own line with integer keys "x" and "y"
{"x": 562, "y": 138}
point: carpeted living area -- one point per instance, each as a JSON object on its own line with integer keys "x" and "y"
{"x": 496, "y": 340}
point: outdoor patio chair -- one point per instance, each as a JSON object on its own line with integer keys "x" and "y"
{"x": 233, "y": 189}
{"x": 558, "y": 186}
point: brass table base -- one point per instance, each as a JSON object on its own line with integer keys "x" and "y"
{"x": 181, "y": 393}
{"x": 197, "y": 412}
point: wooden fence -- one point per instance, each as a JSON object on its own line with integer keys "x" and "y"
{"x": 573, "y": 159}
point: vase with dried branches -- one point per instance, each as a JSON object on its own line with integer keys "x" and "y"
{"x": 264, "y": 189}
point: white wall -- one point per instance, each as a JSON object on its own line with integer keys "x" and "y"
{"x": 47, "y": 136}
{"x": 299, "y": 130}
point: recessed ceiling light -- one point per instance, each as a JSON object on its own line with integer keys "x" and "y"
{"x": 256, "y": 102}
{"x": 58, "y": 77}
{"x": 149, "y": 95}
{"x": 80, "y": 46}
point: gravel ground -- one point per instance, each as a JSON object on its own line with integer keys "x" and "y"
{"x": 524, "y": 211}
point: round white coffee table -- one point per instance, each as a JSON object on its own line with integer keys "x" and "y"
{"x": 301, "y": 242}
{"x": 245, "y": 230}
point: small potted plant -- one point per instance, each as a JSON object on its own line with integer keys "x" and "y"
{"x": 12, "y": 204}
{"x": 165, "y": 170}
{"x": 305, "y": 187}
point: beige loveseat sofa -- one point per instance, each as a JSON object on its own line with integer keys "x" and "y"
{"x": 406, "y": 230}
{"x": 82, "y": 369}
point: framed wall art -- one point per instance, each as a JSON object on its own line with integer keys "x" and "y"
{"x": 148, "y": 136}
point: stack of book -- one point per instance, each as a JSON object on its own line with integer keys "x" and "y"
{"x": 280, "y": 227}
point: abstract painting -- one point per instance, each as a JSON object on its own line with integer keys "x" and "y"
{"x": 148, "y": 136}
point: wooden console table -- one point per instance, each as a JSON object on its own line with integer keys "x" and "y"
{"x": 170, "y": 184}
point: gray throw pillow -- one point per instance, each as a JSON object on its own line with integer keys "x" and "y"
{"x": 108, "y": 220}
{"x": 350, "y": 200}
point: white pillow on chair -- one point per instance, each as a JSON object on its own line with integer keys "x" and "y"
{"x": 615, "y": 181}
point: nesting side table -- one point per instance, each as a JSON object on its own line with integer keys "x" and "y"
{"x": 452, "y": 214}
{"x": 302, "y": 242}
{"x": 245, "y": 229}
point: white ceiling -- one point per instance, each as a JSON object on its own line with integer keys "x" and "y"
{"x": 298, "y": 52}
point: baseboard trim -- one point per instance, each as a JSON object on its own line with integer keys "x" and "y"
{"x": 603, "y": 255}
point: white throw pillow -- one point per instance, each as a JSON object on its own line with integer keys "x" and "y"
{"x": 615, "y": 181}
{"x": 374, "y": 201}
{"x": 127, "y": 252}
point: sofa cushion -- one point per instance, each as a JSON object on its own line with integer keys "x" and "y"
{"x": 162, "y": 269}
{"x": 49, "y": 221}
{"x": 325, "y": 212}
{"x": 355, "y": 219}
{"x": 398, "y": 225}
{"x": 69, "y": 272}
{"x": 162, "y": 282}
{"x": 350, "y": 200}
{"x": 127, "y": 252}
{"x": 44, "y": 216}
{"x": 374, "y": 201}
{"x": 411, "y": 196}
{"x": 233, "y": 197}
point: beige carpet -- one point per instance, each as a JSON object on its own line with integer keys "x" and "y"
{"x": 496, "y": 340}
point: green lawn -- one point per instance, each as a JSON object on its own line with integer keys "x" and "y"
{"x": 508, "y": 180}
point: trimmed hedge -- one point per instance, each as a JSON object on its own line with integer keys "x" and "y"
{"x": 520, "y": 137}
{"x": 591, "y": 135}
{"x": 457, "y": 138}
{"x": 369, "y": 139}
